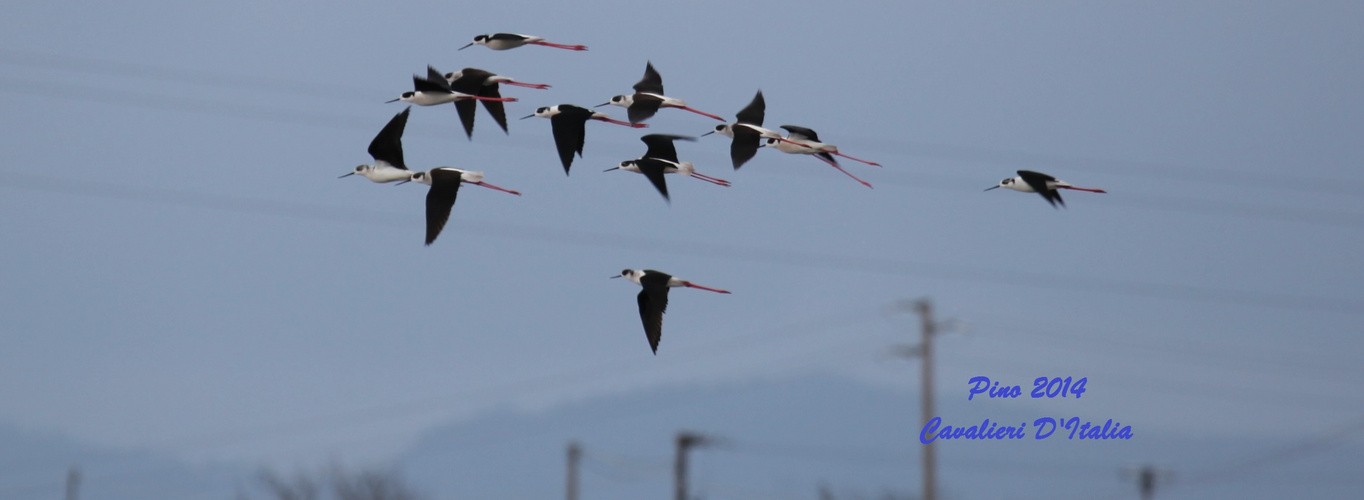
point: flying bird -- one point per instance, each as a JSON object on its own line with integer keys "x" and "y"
{"x": 648, "y": 98}
{"x": 444, "y": 182}
{"x": 1040, "y": 183}
{"x": 569, "y": 124}
{"x": 801, "y": 140}
{"x": 653, "y": 299}
{"x": 434, "y": 90}
{"x": 504, "y": 41}
{"x": 387, "y": 151}
{"x": 661, "y": 158}
{"x": 492, "y": 78}
{"x": 747, "y": 131}
{"x": 474, "y": 81}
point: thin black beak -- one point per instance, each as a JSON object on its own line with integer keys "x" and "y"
{"x": 707, "y": 133}
{"x": 529, "y": 116}
{"x": 602, "y": 104}
{"x": 616, "y": 276}
{"x": 403, "y": 182}
{"x": 992, "y": 187}
{"x": 347, "y": 175}
{"x": 466, "y": 46}
{"x": 395, "y": 100}
{"x": 610, "y": 169}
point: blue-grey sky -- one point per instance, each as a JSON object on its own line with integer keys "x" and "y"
{"x": 182, "y": 272}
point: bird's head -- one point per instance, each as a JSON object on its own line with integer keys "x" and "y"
{"x": 359, "y": 169}
{"x": 630, "y": 274}
{"x": 544, "y": 112}
{"x": 724, "y": 129}
{"x": 478, "y": 40}
{"x": 628, "y": 165}
{"x": 623, "y": 101}
{"x": 420, "y": 177}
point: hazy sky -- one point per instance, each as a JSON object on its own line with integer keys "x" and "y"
{"x": 181, "y": 271}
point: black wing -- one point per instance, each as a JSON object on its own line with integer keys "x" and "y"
{"x": 661, "y": 146}
{"x": 388, "y": 145}
{"x": 434, "y": 75}
{"x": 428, "y": 85}
{"x": 494, "y": 108}
{"x": 753, "y": 112}
{"x": 469, "y": 81}
{"x": 653, "y": 302}
{"x": 507, "y": 36}
{"x": 643, "y": 108}
{"x": 827, "y": 157}
{"x": 1038, "y": 182}
{"x": 466, "y": 109}
{"x": 570, "y": 131}
{"x": 653, "y": 169}
{"x": 651, "y": 83}
{"x": 803, "y": 132}
{"x": 440, "y": 199}
{"x": 745, "y": 145}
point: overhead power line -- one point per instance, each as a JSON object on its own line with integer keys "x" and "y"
{"x": 331, "y": 90}
{"x": 655, "y": 245}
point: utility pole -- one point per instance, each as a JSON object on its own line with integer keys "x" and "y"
{"x": 927, "y": 329}
{"x": 1146, "y": 477}
{"x": 73, "y": 483}
{"x": 575, "y": 453}
{"x": 924, "y": 351}
{"x": 1146, "y": 483}
{"x": 685, "y": 441}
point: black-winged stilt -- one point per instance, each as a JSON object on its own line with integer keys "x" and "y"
{"x": 569, "y": 124}
{"x": 387, "y": 151}
{"x": 801, "y": 140}
{"x": 653, "y": 299}
{"x": 1040, "y": 183}
{"x": 482, "y": 83}
{"x": 661, "y": 158}
{"x": 444, "y": 182}
{"x": 648, "y": 98}
{"x": 504, "y": 41}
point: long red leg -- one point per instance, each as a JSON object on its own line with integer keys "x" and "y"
{"x": 845, "y": 172}
{"x": 855, "y": 159}
{"x": 498, "y": 99}
{"x": 712, "y": 180}
{"x": 1092, "y": 190}
{"x": 541, "y": 86}
{"x": 701, "y": 112}
{"x": 560, "y": 45}
{"x": 689, "y": 284}
{"x": 490, "y": 186}
{"x": 627, "y": 124}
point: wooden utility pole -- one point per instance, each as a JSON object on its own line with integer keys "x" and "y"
{"x": 1147, "y": 478}
{"x": 927, "y": 329}
{"x": 73, "y": 483}
{"x": 575, "y": 453}
{"x": 685, "y": 441}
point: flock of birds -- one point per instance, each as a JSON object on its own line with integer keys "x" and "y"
{"x": 469, "y": 86}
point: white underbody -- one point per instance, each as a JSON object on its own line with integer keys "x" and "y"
{"x": 684, "y": 168}
{"x": 668, "y": 102}
{"x": 386, "y": 173}
{"x": 429, "y": 99}
{"x": 511, "y": 44}
{"x": 1019, "y": 185}
{"x": 635, "y": 275}
{"x": 804, "y": 147}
